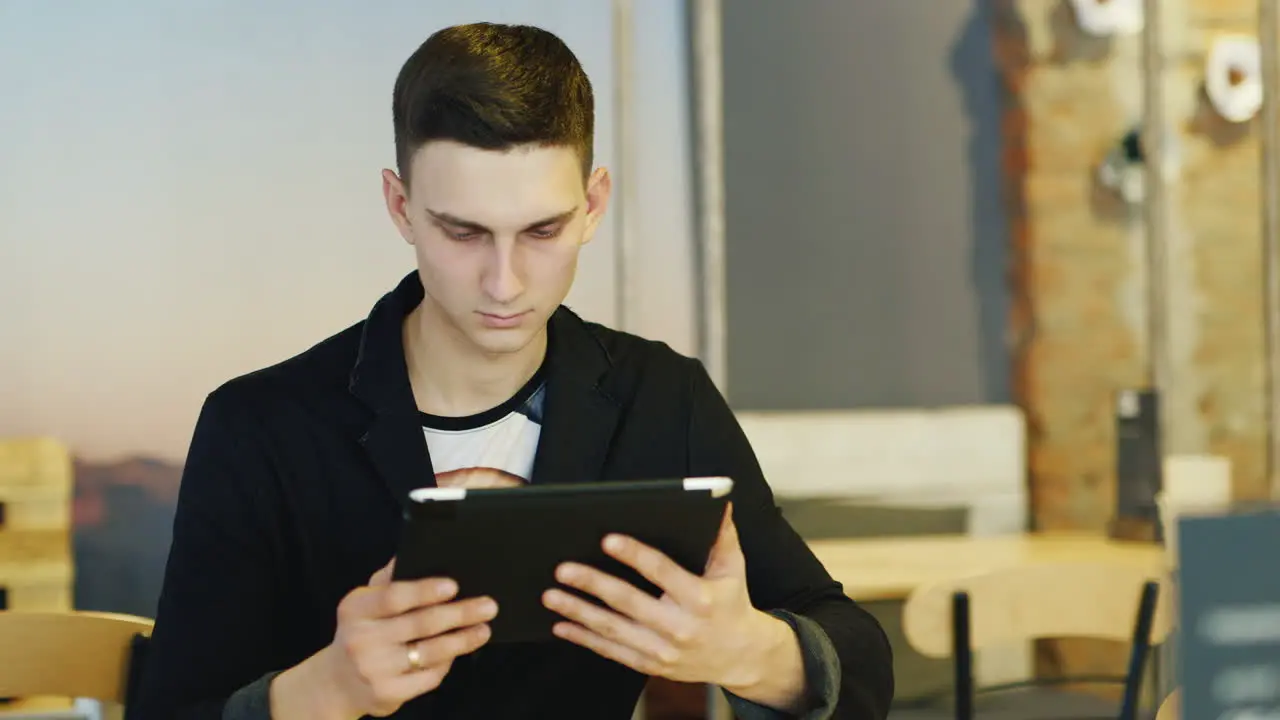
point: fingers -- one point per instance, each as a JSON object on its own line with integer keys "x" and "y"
{"x": 383, "y": 576}
{"x": 443, "y": 649}
{"x": 728, "y": 530}
{"x": 726, "y": 555}
{"x": 401, "y": 597}
{"x": 435, "y": 654}
{"x": 610, "y": 625}
{"x": 391, "y": 679}
{"x": 384, "y": 667}
{"x": 396, "y": 598}
{"x": 665, "y": 617}
{"x": 436, "y": 620}
{"x": 398, "y": 689}
{"x": 684, "y": 587}
{"x": 398, "y": 639}
{"x": 641, "y": 662}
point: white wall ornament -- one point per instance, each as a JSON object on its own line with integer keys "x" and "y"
{"x": 1233, "y": 77}
{"x": 1104, "y": 18}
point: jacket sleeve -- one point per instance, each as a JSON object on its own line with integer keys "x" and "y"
{"x": 211, "y": 652}
{"x": 848, "y": 660}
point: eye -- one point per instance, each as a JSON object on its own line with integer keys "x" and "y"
{"x": 462, "y": 235}
{"x": 544, "y": 233}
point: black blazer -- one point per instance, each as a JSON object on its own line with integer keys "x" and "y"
{"x": 292, "y": 495}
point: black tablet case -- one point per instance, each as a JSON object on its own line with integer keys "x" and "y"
{"x": 506, "y": 543}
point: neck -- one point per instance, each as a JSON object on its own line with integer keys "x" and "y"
{"x": 452, "y": 378}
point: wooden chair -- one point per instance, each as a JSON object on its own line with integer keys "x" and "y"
{"x": 71, "y": 654}
{"x": 1040, "y": 601}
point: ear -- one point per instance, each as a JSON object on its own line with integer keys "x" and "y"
{"x": 599, "y": 188}
{"x": 396, "y": 196}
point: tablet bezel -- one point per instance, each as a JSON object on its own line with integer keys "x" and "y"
{"x": 719, "y": 486}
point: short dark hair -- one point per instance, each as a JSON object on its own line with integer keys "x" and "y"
{"x": 493, "y": 87}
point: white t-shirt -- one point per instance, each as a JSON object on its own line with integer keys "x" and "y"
{"x": 495, "y": 448}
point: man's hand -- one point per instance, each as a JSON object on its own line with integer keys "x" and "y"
{"x": 703, "y": 629}
{"x": 394, "y": 642}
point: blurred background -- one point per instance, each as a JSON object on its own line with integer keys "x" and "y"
{"x": 913, "y": 240}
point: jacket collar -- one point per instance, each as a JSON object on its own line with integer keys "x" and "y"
{"x": 579, "y": 413}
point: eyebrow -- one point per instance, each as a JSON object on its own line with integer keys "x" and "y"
{"x": 455, "y": 221}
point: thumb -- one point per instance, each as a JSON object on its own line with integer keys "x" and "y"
{"x": 383, "y": 576}
{"x": 726, "y": 555}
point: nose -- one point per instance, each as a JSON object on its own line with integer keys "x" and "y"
{"x": 502, "y": 281}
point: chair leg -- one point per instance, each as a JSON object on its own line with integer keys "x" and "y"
{"x": 137, "y": 658}
{"x": 1140, "y": 650}
{"x": 962, "y": 653}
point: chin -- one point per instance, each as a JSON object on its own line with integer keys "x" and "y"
{"x": 503, "y": 342}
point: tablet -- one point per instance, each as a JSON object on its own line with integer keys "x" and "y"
{"x": 507, "y": 542}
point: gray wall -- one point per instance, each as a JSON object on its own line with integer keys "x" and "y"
{"x": 866, "y": 244}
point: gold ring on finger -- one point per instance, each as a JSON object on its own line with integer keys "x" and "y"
{"x": 415, "y": 659}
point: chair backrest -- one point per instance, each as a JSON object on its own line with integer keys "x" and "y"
{"x": 1037, "y": 601}
{"x": 71, "y": 654}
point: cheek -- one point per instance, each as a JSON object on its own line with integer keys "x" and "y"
{"x": 554, "y": 265}
{"x": 445, "y": 262}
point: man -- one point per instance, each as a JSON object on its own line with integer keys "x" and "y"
{"x": 277, "y": 600}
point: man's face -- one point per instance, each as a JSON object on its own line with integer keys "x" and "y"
{"x": 496, "y": 234}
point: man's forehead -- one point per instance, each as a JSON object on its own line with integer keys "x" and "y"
{"x": 496, "y": 188}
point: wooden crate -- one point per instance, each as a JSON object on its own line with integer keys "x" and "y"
{"x": 36, "y": 484}
{"x": 36, "y": 557}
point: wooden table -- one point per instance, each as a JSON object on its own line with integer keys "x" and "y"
{"x": 890, "y": 568}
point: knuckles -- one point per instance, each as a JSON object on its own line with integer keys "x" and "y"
{"x": 425, "y": 624}
{"x": 354, "y": 645}
{"x": 683, "y": 637}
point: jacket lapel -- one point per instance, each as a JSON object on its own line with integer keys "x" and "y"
{"x": 579, "y": 415}
{"x": 394, "y": 439}
{"x": 398, "y": 450}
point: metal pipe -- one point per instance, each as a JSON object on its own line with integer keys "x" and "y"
{"x": 708, "y": 95}
{"x": 1268, "y": 29}
{"x": 624, "y": 164}
{"x": 707, "y": 58}
{"x": 1154, "y": 208}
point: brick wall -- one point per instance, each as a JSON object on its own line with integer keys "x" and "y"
{"x": 1078, "y": 266}
{"x": 1218, "y": 197}
{"x": 1079, "y": 275}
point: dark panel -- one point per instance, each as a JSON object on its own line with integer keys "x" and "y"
{"x": 865, "y": 233}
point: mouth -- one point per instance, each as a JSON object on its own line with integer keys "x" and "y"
{"x": 502, "y": 319}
